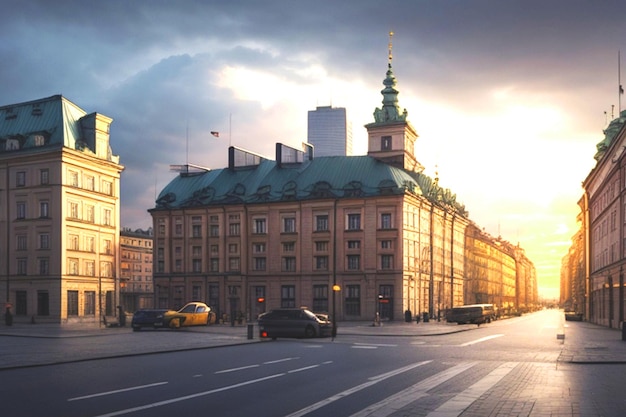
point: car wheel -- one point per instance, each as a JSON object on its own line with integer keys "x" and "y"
{"x": 309, "y": 331}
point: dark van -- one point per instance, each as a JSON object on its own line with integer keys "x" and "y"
{"x": 472, "y": 313}
{"x": 292, "y": 322}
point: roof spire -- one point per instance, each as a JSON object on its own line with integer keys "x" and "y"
{"x": 390, "y": 112}
{"x": 390, "y": 47}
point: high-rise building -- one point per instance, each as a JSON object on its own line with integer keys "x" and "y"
{"x": 60, "y": 216}
{"x": 330, "y": 131}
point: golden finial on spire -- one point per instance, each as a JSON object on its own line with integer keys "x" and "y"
{"x": 390, "y": 46}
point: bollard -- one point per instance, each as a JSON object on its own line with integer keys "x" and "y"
{"x": 250, "y": 331}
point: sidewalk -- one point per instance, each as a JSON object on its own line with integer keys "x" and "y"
{"x": 23, "y": 345}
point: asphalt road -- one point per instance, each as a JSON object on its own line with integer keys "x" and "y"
{"x": 509, "y": 367}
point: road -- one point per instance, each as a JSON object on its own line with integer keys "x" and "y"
{"x": 506, "y": 368}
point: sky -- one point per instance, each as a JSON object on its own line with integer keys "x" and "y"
{"x": 509, "y": 98}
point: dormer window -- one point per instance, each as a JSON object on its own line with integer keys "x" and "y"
{"x": 385, "y": 143}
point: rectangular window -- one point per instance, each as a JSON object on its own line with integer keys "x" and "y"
{"x": 21, "y": 210}
{"x": 90, "y": 303}
{"x": 44, "y": 177}
{"x": 321, "y": 263}
{"x": 260, "y": 263}
{"x": 90, "y": 183}
{"x": 90, "y": 245}
{"x": 353, "y": 300}
{"x": 320, "y": 298}
{"x": 196, "y": 230}
{"x": 90, "y": 268}
{"x": 90, "y": 213}
{"x": 354, "y": 244}
{"x": 385, "y": 143}
{"x": 289, "y": 225}
{"x": 321, "y": 223}
{"x": 106, "y": 269}
{"x": 354, "y": 221}
{"x": 260, "y": 226}
{"x": 43, "y": 209}
{"x": 22, "y": 242}
{"x": 289, "y": 264}
{"x": 288, "y": 296}
{"x": 233, "y": 264}
{"x": 108, "y": 247}
{"x": 107, "y": 188}
{"x": 215, "y": 264}
{"x": 197, "y": 265}
{"x": 233, "y": 248}
{"x": 73, "y": 178}
{"x": 234, "y": 229}
{"x": 386, "y": 262}
{"x": 44, "y": 266}
{"x": 72, "y": 241}
{"x": 258, "y": 248}
{"x": 72, "y": 266}
{"x": 214, "y": 230}
{"x": 289, "y": 246}
{"x": 20, "y": 179}
{"x": 385, "y": 221}
{"x": 44, "y": 241}
{"x": 72, "y": 210}
{"x": 196, "y": 251}
{"x": 354, "y": 262}
{"x": 215, "y": 250}
{"x": 386, "y": 244}
{"x": 72, "y": 303}
{"x": 21, "y": 266}
{"x": 107, "y": 219}
{"x": 321, "y": 246}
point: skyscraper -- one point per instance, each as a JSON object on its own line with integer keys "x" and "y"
{"x": 330, "y": 131}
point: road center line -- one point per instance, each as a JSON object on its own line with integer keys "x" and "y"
{"x": 188, "y": 397}
{"x": 482, "y": 339}
{"x": 241, "y": 368}
{"x": 280, "y": 360}
{"x": 376, "y": 344}
{"x": 102, "y": 394}
{"x": 372, "y": 381}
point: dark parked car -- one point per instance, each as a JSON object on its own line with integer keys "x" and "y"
{"x": 292, "y": 322}
{"x": 152, "y": 318}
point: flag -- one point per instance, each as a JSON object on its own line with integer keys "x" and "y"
{"x": 216, "y": 134}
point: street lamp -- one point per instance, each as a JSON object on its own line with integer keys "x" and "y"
{"x": 336, "y": 289}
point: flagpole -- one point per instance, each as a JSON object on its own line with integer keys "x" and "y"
{"x": 620, "y": 89}
{"x": 230, "y": 129}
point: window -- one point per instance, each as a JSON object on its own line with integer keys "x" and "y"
{"x": 89, "y": 213}
{"x": 90, "y": 303}
{"x": 234, "y": 229}
{"x": 385, "y": 143}
{"x": 258, "y": 248}
{"x": 354, "y": 262}
{"x": 72, "y": 210}
{"x": 320, "y": 298}
{"x": 107, "y": 188}
{"x": 386, "y": 262}
{"x": 72, "y": 303}
{"x": 72, "y": 266}
{"x": 44, "y": 266}
{"x": 385, "y": 221}
{"x": 90, "y": 182}
{"x": 108, "y": 248}
{"x": 106, "y": 269}
{"x": 288, "y": 296}
{"x": 233, "y": 264}
{"x": 178, "y": 265}
{"x": 106, "y": 220}
{"x": 260, "y": 263}
{"x": 196, "y": 251}
{"x": 321, "y": 263}
{"x": 354, "y": 221}
{"x": 260, "y": 226}
{"x": 197, "y": 265}
{"x": 90, "y": 268}
{"x": 72, "y": 178}
{"x": 289, "y": 246}
{"x": 289, "y": 225}
{"x": 20, "y": 179}
{"x": 21, "y": 210}
{"x": 90, "y": 245}
{"x": 44, "y": 177}
{"x": 386, "y": 244}
{"x": 44, "y": 241}
{"x": 289, "y": 264}
{"x": 353, "y": 300}
{"x": 43, "y": 303}
{"x": 22, "y": 242}
{"x": 321, "y": 246}
{"x": 215, "y": 264}
{"x": 233, "y": 248}
{"x": 354, "y": 244}
{"x": 21, "y": 266}
{"x": 73, "y": 242}
{"x": 215, "y": 250}
{"x": 196, "y": 230}
{"x": 321, "y": 223}
{"x": 214, "y": 230}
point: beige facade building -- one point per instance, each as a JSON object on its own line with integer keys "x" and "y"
{"x": 60, "y": 212}
{"x": 136, "y": 289}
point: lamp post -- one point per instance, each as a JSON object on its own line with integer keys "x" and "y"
{"x": 336, "y": 289}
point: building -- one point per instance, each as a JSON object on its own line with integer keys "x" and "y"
{"x": 599, "y": 253}
{"x": 136, "y": 289}
{"x": 59, "y": 222}
{"x": 330, "y": 131}
{"x": 356, "y": 236}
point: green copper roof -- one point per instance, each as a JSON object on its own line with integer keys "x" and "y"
{"x": 320, "y": 178}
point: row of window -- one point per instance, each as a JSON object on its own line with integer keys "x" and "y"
{"x": 43, "y": 267}
{"x": 87, "y": 182}
{"x": 259, "y": 225}
{"x": 73, "y": 212}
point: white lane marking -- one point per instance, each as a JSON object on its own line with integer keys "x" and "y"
{"x": 456, "y": 405}
{"x": 364, "y": 347}
{"x": 376, "y": 344}
{"x": 241, "y": 368}
{"x": 306, "y": 368}
{"x": 101, "y": 394}
{"x": 373, "y": 380}
{"x": 482, "y": 339}
{"x": 280, "y": 360}
{"x": 394, "y": 403}
{"x": 188, "y": 397}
